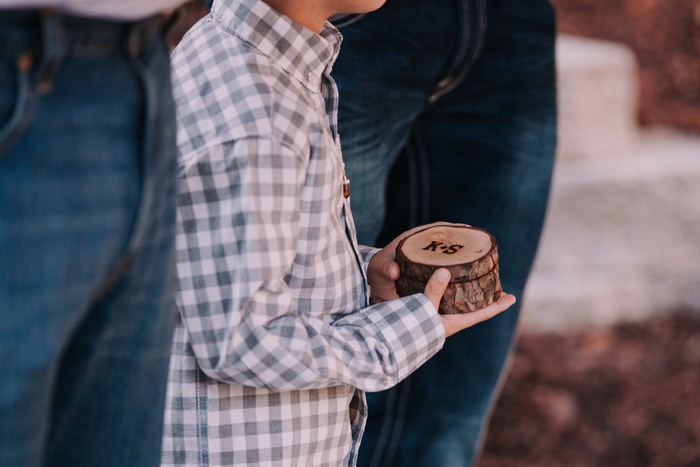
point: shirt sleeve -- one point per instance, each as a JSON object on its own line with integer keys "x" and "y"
{"x": 367, "y": 254}
{"x": 238, "y": 230}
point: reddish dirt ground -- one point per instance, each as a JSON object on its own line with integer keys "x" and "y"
{"x": 627, "y": 396}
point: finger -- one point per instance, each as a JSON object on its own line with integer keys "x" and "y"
{"x": 435, "y": 288}
{"x": 392, "y": 271}
{"x": 382, "y": 281}
{"x": 379, "y": 269}
{"x": 457, "y": 322}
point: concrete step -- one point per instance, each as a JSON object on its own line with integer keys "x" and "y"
{"x": 622, "y": 236}
{"x": 621, "y": 239}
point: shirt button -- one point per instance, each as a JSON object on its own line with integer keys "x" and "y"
{"x": 314, "y": 80}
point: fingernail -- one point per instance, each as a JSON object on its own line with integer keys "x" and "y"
{"x": 443, "y": 275}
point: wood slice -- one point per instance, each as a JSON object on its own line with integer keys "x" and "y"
{"x": 469, "y": 253}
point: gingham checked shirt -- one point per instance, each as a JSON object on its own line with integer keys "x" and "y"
{"x": 275, "y": 340}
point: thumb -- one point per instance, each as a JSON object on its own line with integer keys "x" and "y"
{"x": 435, "y": 288}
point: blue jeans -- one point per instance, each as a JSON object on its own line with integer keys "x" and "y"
{"x": 87, "y": 215}
{"x": 448, "y": 112}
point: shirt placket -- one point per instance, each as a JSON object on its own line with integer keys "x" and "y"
{"x": 333, "y": 143}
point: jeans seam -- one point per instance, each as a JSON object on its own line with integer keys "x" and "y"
{"x": 413, "y": 187}
{"x": 53, "y": 50}
{"x": 495, "y": 395}
{"x": 419, "y": 180}
{"x": 148, "y": 183}
{"x": 457, "y": 73}
{"x": 422, "y": 157}
{"x": 22, "y": 113}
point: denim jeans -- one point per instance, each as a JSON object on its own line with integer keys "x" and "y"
{"x": 448, "y": 112}
{"x": 87, "y": 215}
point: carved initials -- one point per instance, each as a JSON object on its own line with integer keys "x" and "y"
{"x": 448, "y": 250}
{"x": 432, "y": 246}
{"x": 452, "y": 249}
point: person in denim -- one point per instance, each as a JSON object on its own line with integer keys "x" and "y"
{"x": 87, "y": 215}
{"x": 448, "y": 112}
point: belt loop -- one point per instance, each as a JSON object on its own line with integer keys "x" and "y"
{"x": 170, "y": 21}
{"x": 133, "y": 41}
{"x": 53, "y": 38}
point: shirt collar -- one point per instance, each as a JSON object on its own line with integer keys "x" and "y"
{"x": 296, "y": 49}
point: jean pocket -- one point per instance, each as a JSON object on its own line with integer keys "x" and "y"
{"x": 16, "y": 101}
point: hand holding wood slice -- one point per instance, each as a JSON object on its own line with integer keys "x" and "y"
{"x": 469, "y": 253}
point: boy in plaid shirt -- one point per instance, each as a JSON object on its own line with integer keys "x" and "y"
{"x": 276, "y": 339}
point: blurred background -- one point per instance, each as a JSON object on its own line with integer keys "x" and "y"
{"x": 607, "y": 368}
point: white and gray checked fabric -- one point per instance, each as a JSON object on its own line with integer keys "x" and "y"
{"x": 275, "y": 340}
